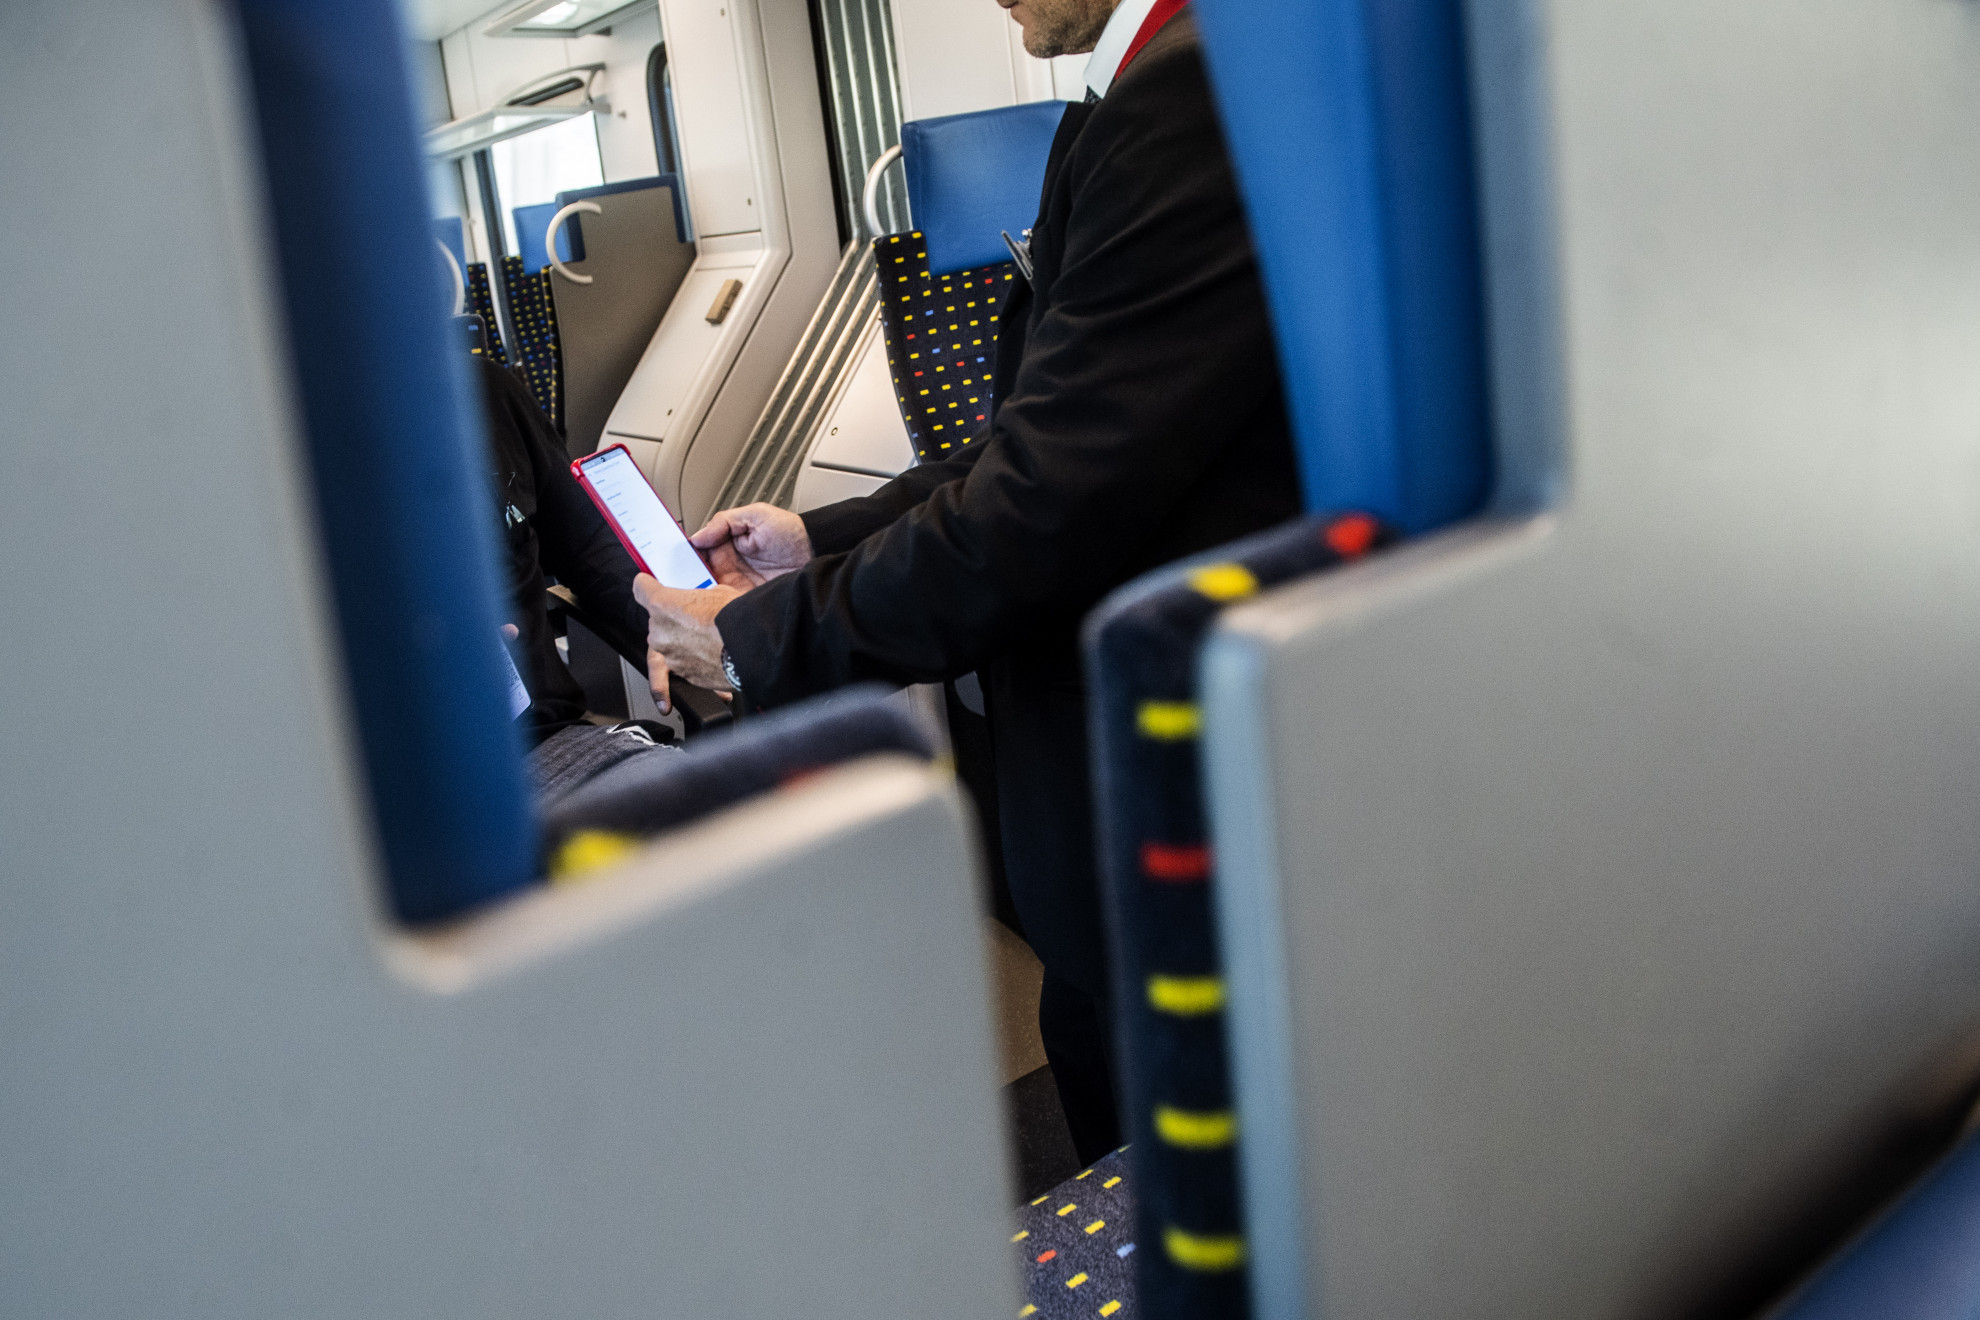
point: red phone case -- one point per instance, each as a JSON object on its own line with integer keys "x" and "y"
{"x": 578, "y": 473}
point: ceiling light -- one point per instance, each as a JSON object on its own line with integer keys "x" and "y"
{"x": 561, "y": 18}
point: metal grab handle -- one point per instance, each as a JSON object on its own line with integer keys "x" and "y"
{"x": 870, "y": 202}
{"x": 459, "y": 277}
{"x": 550, "y": 239}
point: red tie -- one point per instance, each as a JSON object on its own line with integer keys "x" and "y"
{"x": 1163, "y": 11}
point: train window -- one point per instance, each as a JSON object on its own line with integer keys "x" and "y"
{"x": 534, "y": 167}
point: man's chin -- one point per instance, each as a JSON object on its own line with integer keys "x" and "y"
{"x": 1042, "y": 46}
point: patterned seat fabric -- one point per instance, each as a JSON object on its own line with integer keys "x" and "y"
{"x": 533, "y": 317}
{"x": 941, "y": 342}
{"x": 1156, "y": 871}
{"x": 481, "y": 303}
{"x": 1075, "y": 1243}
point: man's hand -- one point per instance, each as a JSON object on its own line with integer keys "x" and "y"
{"x": 681, "y": 637}
{"x": 747, "y": 547}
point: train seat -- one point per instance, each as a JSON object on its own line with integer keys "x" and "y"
{"x": 402, "y": 532}
{"x": 1156, "y": 865}
{"x": 971, "y": 179}
{"x": 708, "y": 1082}
{"x": 1384, "y": 363}
{"x": 1581, "y": 935}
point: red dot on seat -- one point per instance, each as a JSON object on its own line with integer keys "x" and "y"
{"x": 1047, "y": 1256}
{"x": 1351, "y": 535}
{"x": 1175, "y": 862}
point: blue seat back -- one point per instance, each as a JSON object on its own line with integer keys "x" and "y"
{"x": 1350, "y": 130}
{"x": 971, "y": 177}
{"x": 399, "y": 473}
{"x": 532, "y": 222}
{"x": 1920, "y": 1262}
{"x": 575, "y": 225}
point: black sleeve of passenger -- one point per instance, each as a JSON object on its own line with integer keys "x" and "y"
{"x": 1128, "y": 390}
{"x": 837, "y": 527}
{"x": 576, "y": 544}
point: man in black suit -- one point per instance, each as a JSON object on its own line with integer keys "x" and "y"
{"x": 1138, "y": 419}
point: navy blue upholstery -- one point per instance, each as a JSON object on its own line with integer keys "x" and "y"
{"x": 1156, "y": 872}
{"x": 1350, "y": 129}
{"x": 941, "y": 335}
{"x": 971, "y": 177}
{"x": 1920, "y": 1262}
{"x": 538, "y": 350}
{"x": 400, "y": 483}
{"x": 648, "y": 794}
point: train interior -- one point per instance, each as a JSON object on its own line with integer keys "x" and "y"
{"x": 1546, "y": 883}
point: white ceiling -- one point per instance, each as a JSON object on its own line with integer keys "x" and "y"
{"x": 431, "y": 20}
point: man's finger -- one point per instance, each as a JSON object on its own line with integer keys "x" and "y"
{"x": 717, "y": 531}
{"x": 656, "y": 678}
{"x": 644, "y": 585}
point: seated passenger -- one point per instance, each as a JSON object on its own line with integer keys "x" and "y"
{"x": 550, "y": 526}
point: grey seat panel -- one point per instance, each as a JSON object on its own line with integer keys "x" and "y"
{"x": 1596, "y": 887}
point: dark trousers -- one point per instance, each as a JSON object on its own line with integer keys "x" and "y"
{"x": 1079, "y": 1044}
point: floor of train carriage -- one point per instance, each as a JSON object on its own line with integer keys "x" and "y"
{"x": 1073, "y": 1229}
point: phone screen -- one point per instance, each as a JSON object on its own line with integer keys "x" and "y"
{"x": 656, "y": 540}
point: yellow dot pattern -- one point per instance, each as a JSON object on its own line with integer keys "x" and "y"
{"x": 1202, "y": 1253}
{"x": 1186, "y": 996}
{"x": 1192, "y": 1129}
{"x": 941, "y": 334}
{"x": 1224, "y": 582}
{"x": 1168, "y": 721}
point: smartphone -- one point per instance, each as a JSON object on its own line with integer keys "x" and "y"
{"x": 649, "y": 533}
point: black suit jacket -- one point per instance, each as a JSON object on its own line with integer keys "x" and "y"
{"x": 1137, "y": 418}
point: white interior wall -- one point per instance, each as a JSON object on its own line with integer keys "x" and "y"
{"x": 962, "y": 55}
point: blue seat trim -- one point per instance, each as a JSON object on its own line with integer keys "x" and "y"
{"x": 1350, "y": 130}
{"x": 399, "y": 471}
{"x": 1921, "y": 1262}
{"x": 971, "y": 177}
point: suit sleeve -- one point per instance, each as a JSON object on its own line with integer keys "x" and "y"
{"x": 838, "y": 527}
{"x": 1132, "y": 382}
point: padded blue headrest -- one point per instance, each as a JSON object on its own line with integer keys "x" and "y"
{"x": 1350, "y": 128}
{"x": 532, "y": 222}
{"x": 399, "y": 465}
{"x": 971, "y": 177}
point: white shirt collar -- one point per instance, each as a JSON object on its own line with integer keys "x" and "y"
{"x": 1115, "y": 39}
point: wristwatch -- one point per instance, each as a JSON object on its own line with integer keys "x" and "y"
{"x": 729, "y": 672}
